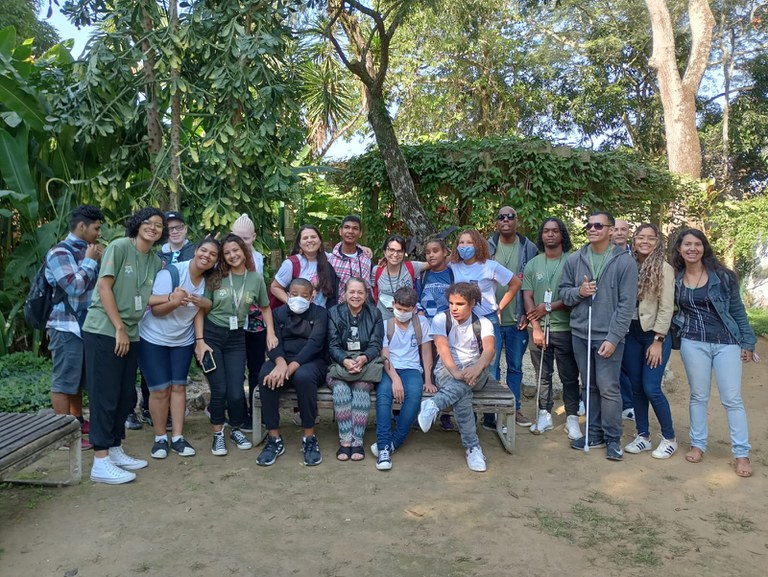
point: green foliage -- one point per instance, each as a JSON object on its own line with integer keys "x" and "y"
{"x": 25, "y": 383}
{"x": 738, "y": 229}
{"x": 22, "y": 15}
{"x": 758, "y": 318}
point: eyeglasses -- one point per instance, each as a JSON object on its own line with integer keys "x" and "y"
{"x": 646, "y": 238}
{"x": 509, "y": 216}
{"x": 153, "y": 224}
{"x": 595, "y": 225}
{"x": 177, "y": 228}
{"x": 395, "y": 250}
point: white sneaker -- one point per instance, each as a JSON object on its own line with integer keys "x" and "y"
{"x": 544, "y": 423}
{"x": 428, "y": 414}
{"x": 639, "y": 445}
{"x": 665, "y": 449}
{"x": 582, "y": 409}
{"x": 572, "y": 428}
{"x": 118, "y": 457}
{"x": 105, "y": 471}
{"x": 628, "y": 414}
{"x": 476, "y": 460}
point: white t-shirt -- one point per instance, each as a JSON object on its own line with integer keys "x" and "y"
{"x": 307, "y": 270}
{"x": 175, "y": 329}
{"x": 486, "y": 275}
{"x": 464, "y": 348}
{"x": 389, "y": 284}
{"x": 403, "y": 348}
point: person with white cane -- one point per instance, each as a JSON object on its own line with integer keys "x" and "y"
{"x": 553, "y": 342}
{"x": 599, "y": 283}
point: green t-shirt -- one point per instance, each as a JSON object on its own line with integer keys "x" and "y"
{"x": 508, "y": 255}
{"x": 134, "y": 275}
{"x": 541, "y": 274}
{"x": 247, "y": 289}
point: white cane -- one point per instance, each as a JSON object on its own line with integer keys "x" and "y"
{"x": 589, "y": 371}
{"x": 548, "y": 307}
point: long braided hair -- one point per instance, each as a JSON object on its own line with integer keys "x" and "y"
{"x": 652, "y": 269}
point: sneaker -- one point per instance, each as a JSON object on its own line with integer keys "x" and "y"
{"x": 219, "y": 445}
{"x": 582, "y": 409}
{"x": 311, "y": 450}
{"x": 572, "y": 428}
{"x": 160, "y": 449}
{"x": 118, "y": 456}
{"x": 544, "y": 423}
{"x": 271, "y": 451}
{"x": 447, "y": 424}
{"x": 85, "y": 427}
{"x": 105, "y": 471}
{"x": 240, "y": 440}
{"x": 182, "y": 448}
{"x": 628, "y": 414}
{"x": 132, "y": 422}
{"x": 614, "y": 452}
{"x": 489, "y": 424}
{"x": 578, "y": 444}
{"x": 428, "y": 414}
{"x": 521, "y": 420}
{"x": 146, "y": 416}
{"x": 85, "y": 444}
{"x": 476, "y": 460}
{"x": 665, "y": 449}
{"x": 375, "y": 449}
{"x": 384, "y": 459}
{"x": 639, "y": 445}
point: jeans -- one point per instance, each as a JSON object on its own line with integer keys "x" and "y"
{"x": 256, "y": 351}
{"x": 560, "y": 350}
{"x": 412, "y": 385}
{"x": 604, "y": 395}
{"x": 515, "y": 343}
{"x": 307, "y": 378}
{"x": 700, "y": 359}
{"x": 646, "y": 382}
{"x": 226, "y": 380}
{"x": 625, "y": 386}
{"x": 459, "y": 394}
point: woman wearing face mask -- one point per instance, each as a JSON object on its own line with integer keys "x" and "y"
{"x": 394, "y": 274}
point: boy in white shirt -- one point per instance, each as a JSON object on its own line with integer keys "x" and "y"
{"x": 405, "y": 374}
{"x": 466, "y": 347}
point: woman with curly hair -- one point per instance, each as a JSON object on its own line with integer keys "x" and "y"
{"x": 715, "y": 336}
{"x": 648, "y": 343}
{"x": 111, "y": 341}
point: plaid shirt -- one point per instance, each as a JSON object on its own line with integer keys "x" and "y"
{"x": 348, "y": 266}
{"x": 77, "y": 280}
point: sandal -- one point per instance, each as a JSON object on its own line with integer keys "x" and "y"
{"x": 695, "y": 455}
{"x": 743, "y": 467}
{"x": 344, "y": 453}
{"x": 357, "y": 452}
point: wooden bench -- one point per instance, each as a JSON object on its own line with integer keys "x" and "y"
{"x": 26, "y": 438}
{"x": 493, "y": 398}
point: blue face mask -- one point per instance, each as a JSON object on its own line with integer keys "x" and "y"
{"x": 466, "y": 252}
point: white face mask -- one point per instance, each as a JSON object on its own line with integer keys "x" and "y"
{"x": 401, "y": 316}
{"x": 298, "y": 305}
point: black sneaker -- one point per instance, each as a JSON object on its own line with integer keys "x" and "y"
{"x": 578, "y": 444}
{"x": 160, "y": 449}
{"x": 182, "y": 448}
{"x": 272, "y": 450}
{"x": 219, "y": 445}
{"x": 132, "y": 422}
{"x": 614, "y": 452}
{"x": 311, "y": 449}
{"x": 489, "y": 424}
{"x": 240, "y": 440}
{"x": 147, "y": 417}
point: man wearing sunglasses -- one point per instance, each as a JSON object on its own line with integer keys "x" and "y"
{"x": 601, "y": 277}
{"x": 512, "y": 250}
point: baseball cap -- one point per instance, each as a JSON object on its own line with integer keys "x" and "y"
{"x": 174, "y": 215}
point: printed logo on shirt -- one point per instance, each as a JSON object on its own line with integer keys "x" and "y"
{"x": 128, "y": 269}
{"x": 223, "y": 292}
{"x": 539, "y": 276}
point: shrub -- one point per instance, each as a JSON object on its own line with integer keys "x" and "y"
{"x": 25, "y": 383}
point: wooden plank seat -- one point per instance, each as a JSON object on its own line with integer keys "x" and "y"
{"x": 26, "y": 438}
{"x": 493, "y": 398}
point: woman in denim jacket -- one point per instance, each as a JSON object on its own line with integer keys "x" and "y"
{"x": 716, "y": 335}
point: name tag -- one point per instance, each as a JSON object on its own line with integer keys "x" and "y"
{"x": 137, "y": 303}
{"x": 547, "y": 297}
{"x": 353, "y": 345}
{"x": 233, "y": 323}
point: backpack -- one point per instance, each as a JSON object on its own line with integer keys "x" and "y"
{"x": 475, "y": 329}
{"x": 174, "y": 272}
{"x": 380, "y": 270}
{"x": 275, "y": 302}
{"x": 415, "y": 322}
{"x": 43, "y": 296}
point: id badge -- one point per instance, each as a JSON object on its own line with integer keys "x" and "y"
{"x": 353, "y": 345}
{"x": 233, "y": 323}
{"x": 137, "y": 303}
{"x": 547, "y": 297}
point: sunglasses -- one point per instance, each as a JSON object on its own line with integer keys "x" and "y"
{"x": 510, "y": 216}
{"x": 595, "y": 225}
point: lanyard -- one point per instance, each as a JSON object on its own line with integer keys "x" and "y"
{"x": 554, "y": 272}
{"x": 237, "y": 298}
{"x": 138, "y": 269}
{"x": 389, "y": 276}
{"x": 597, "y": 271}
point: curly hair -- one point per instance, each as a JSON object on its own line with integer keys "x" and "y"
{"x": 467, "y": 290}
{"x": 211, "y": 276}
{"x": 481, "y": 246}
{"x": 324, "y": 273}
{"x": 652, "y": 269}
{"x": 564, "y": 234}
{"x": 222, "y": 271}
{"x": 137, "y": 218}
{"x": 709, "y": 260}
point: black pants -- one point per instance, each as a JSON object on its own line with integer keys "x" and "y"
{"x": 226, "y": 380}
{"x": 111, "y": 383}
{"x": 307, "y": 378}
{"x": 560, "y": 350}
{"x": 256, "y": 353}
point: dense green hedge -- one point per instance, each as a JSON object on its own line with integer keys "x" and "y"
{"x": 25, "y": 383}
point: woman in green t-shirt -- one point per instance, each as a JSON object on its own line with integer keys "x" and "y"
{"x": 220, "y": 336}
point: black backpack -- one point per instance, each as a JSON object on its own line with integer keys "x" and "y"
{"x": 475, "y": 328}
{"x": 43, "y": 296}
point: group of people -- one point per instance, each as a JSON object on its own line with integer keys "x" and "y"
{"x": 605, "y": 315}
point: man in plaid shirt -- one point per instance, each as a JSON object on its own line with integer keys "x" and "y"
{"x": 348, "y": 258}
{"x": 72, "y": 265}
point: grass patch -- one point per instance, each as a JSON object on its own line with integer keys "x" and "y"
{"x": 728, "y": 523}
{"x": 758, "y": 318}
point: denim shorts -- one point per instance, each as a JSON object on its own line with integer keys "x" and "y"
{"x": 68, "y": 362}
{"x": 164, "y": 366}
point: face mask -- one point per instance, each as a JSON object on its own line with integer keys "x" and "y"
{"x": 466, "y": 252}
{"x": 298, "y": 305}
{"x": 401, "y": 316}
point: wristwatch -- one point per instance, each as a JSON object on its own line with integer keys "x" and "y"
{"x": 659, "y": 338}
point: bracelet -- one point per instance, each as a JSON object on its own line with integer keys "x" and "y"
{"x": 169, "y": 297}
{"x": 199, "y": 339}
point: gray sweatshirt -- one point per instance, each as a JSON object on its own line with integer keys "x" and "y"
{"x": 615, "y": 300}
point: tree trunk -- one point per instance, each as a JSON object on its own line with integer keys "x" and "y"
{"x": 678, "y": 93}
{"x": 174, "y": 186}
{"x": 154, "y": 129}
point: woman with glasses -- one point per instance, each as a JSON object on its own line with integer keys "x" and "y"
{"x": 715, "y": 337}
{"x": 393, "y": 273}
{"x": 648, "y": 344}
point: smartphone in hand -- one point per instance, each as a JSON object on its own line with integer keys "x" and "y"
{"x": 208, "y": 363}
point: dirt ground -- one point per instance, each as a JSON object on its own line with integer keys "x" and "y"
{"x": 546, "y": 511}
